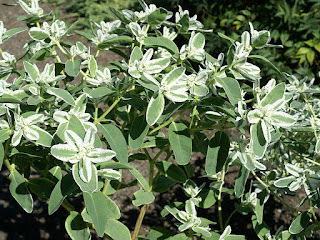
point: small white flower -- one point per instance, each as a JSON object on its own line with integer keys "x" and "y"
{"x": 32, "y": 9}
{"x": 26, "y": 127}
{"x": 81, "y": 152}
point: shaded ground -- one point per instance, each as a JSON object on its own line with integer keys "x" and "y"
{"x": 16, "y": 224}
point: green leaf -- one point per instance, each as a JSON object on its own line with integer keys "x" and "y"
{"x": 260, "y": 229}
{"x": 114, "y": 165}
{"x": 116, "y": 140}
{"x": 93, "y": 66}
{"x": 284, "y": 182}
{"x": 172, "y": 171}
{"x": 226, "y": 37}
{"x": 100, "y": 208}
{"x": 138, "y": 131}
{"x": 198, "y": 41}
{"x": 100, "y": 92}
{"x": 162, "y": 184}
{"x": 300, "y": 223}
{"x": 275, "y": 96}
{"x": 262, "y": 39}
{"x": 61, "y": 93}
{"x": 31, "y": 70}
{"x": 7, "y": 98}
{"x": 158, "y": 233}
{"x": 73, "y": 67}
{"x": 115, "y": 40}
{"x": 4, "y": 134}
{"x": 42, "y": 187}
{"x": 241, "y": 180}
{"x": 38, "y": 34}
{"x": 76, "y": 125}
{"x": 117, "y": 230}
{"x": 155, "y": 108}
{"x": 119, "y": 15}
{"x": 209, "y": 198}
{"x": 180, "y": 141}
{"x": 18, "y": 189}
{"x": 1, "y": 155}
{"x": 217, "y": 153}
{"x": 258, "y": 210}
{"x": 265, "y": 61}
{"x": 136, "y": 55}
{"x": 13, "y": 31}
{"x": 162, "y": 42}
{"x": 45, "y": 139}
{"x": 76, "y": 227}
{"x": 90, "y": 186}
{"x": 63, "y": 188}
{"x": 144, "y": 183}
{"x": 84, "y": 34}
{"x": 232, "y": 88}
{"x": 259, "y": 143}
{"x": 282, "y": 119}
{"x": 146, "y": 83}
{"x": 157, "y": 17}
{"x": 142, "y": 197}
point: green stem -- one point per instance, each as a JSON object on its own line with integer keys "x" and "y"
{"x": 198, "y": 129}
{"x": 273, "y": 193}
{"x": 171, "y": 119}
{"x": 107, "y": 112}
{"x": 192, "y": 116}
{"x": 219, "y": 201}
{"x": 228, "y": 219}
{"x": 68, "y": 206}
{"x": 6, "y": 161}
{"x": 60, "y": 47}
{"x": 139, "y": 222}
{"x": 312, "y": 212}
{"x": 105, "y": 187}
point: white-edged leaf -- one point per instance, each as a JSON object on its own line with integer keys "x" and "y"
{"x": 61, "y": 93}
{"x": 155, "y": 108}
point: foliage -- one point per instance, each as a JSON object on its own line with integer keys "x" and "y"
{"x": 95, "y": 10}
{"x": 80, "y": 136}
{"x": 292, "y": 23}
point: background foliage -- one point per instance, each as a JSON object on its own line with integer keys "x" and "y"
{"x": 293, "y": 24}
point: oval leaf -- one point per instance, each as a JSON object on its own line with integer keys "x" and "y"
{"x": 18, "y": 189}
{"x": 76, "y": 227}
{"x": 300, "y": 223}
{"x": 138, "y": 132}
{"x": 155, "y": 108}
{"x": 180, "y": 142}
{"x": 116, "y": 140}
{"x": 217, "y": 153}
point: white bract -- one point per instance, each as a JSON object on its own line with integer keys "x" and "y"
{"x": 195, "y": 49}
{"x": 2, "y": 31}
{"x": 81, "y": 152}
{"x": 139, "y": 32}
{"x": 188, "y": 219}
{"x": 26, "y": 126}
{"x": 194, "y": 24}
{"x": 191, "y": 189}
{"x": 46, "y": 78}
{"x": 197, "y": 83}
{"x": 8, "y": 59}
{"x": 32, "y": 9}
{"x": 79, "y": 111}
{"x": 105, "y": 31}
{"x": 146, "y": 66}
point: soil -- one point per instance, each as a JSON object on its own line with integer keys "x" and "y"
{"x": 16, "y": 224}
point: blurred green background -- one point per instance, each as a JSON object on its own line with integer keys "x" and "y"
{"x": 295, "y": 24}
